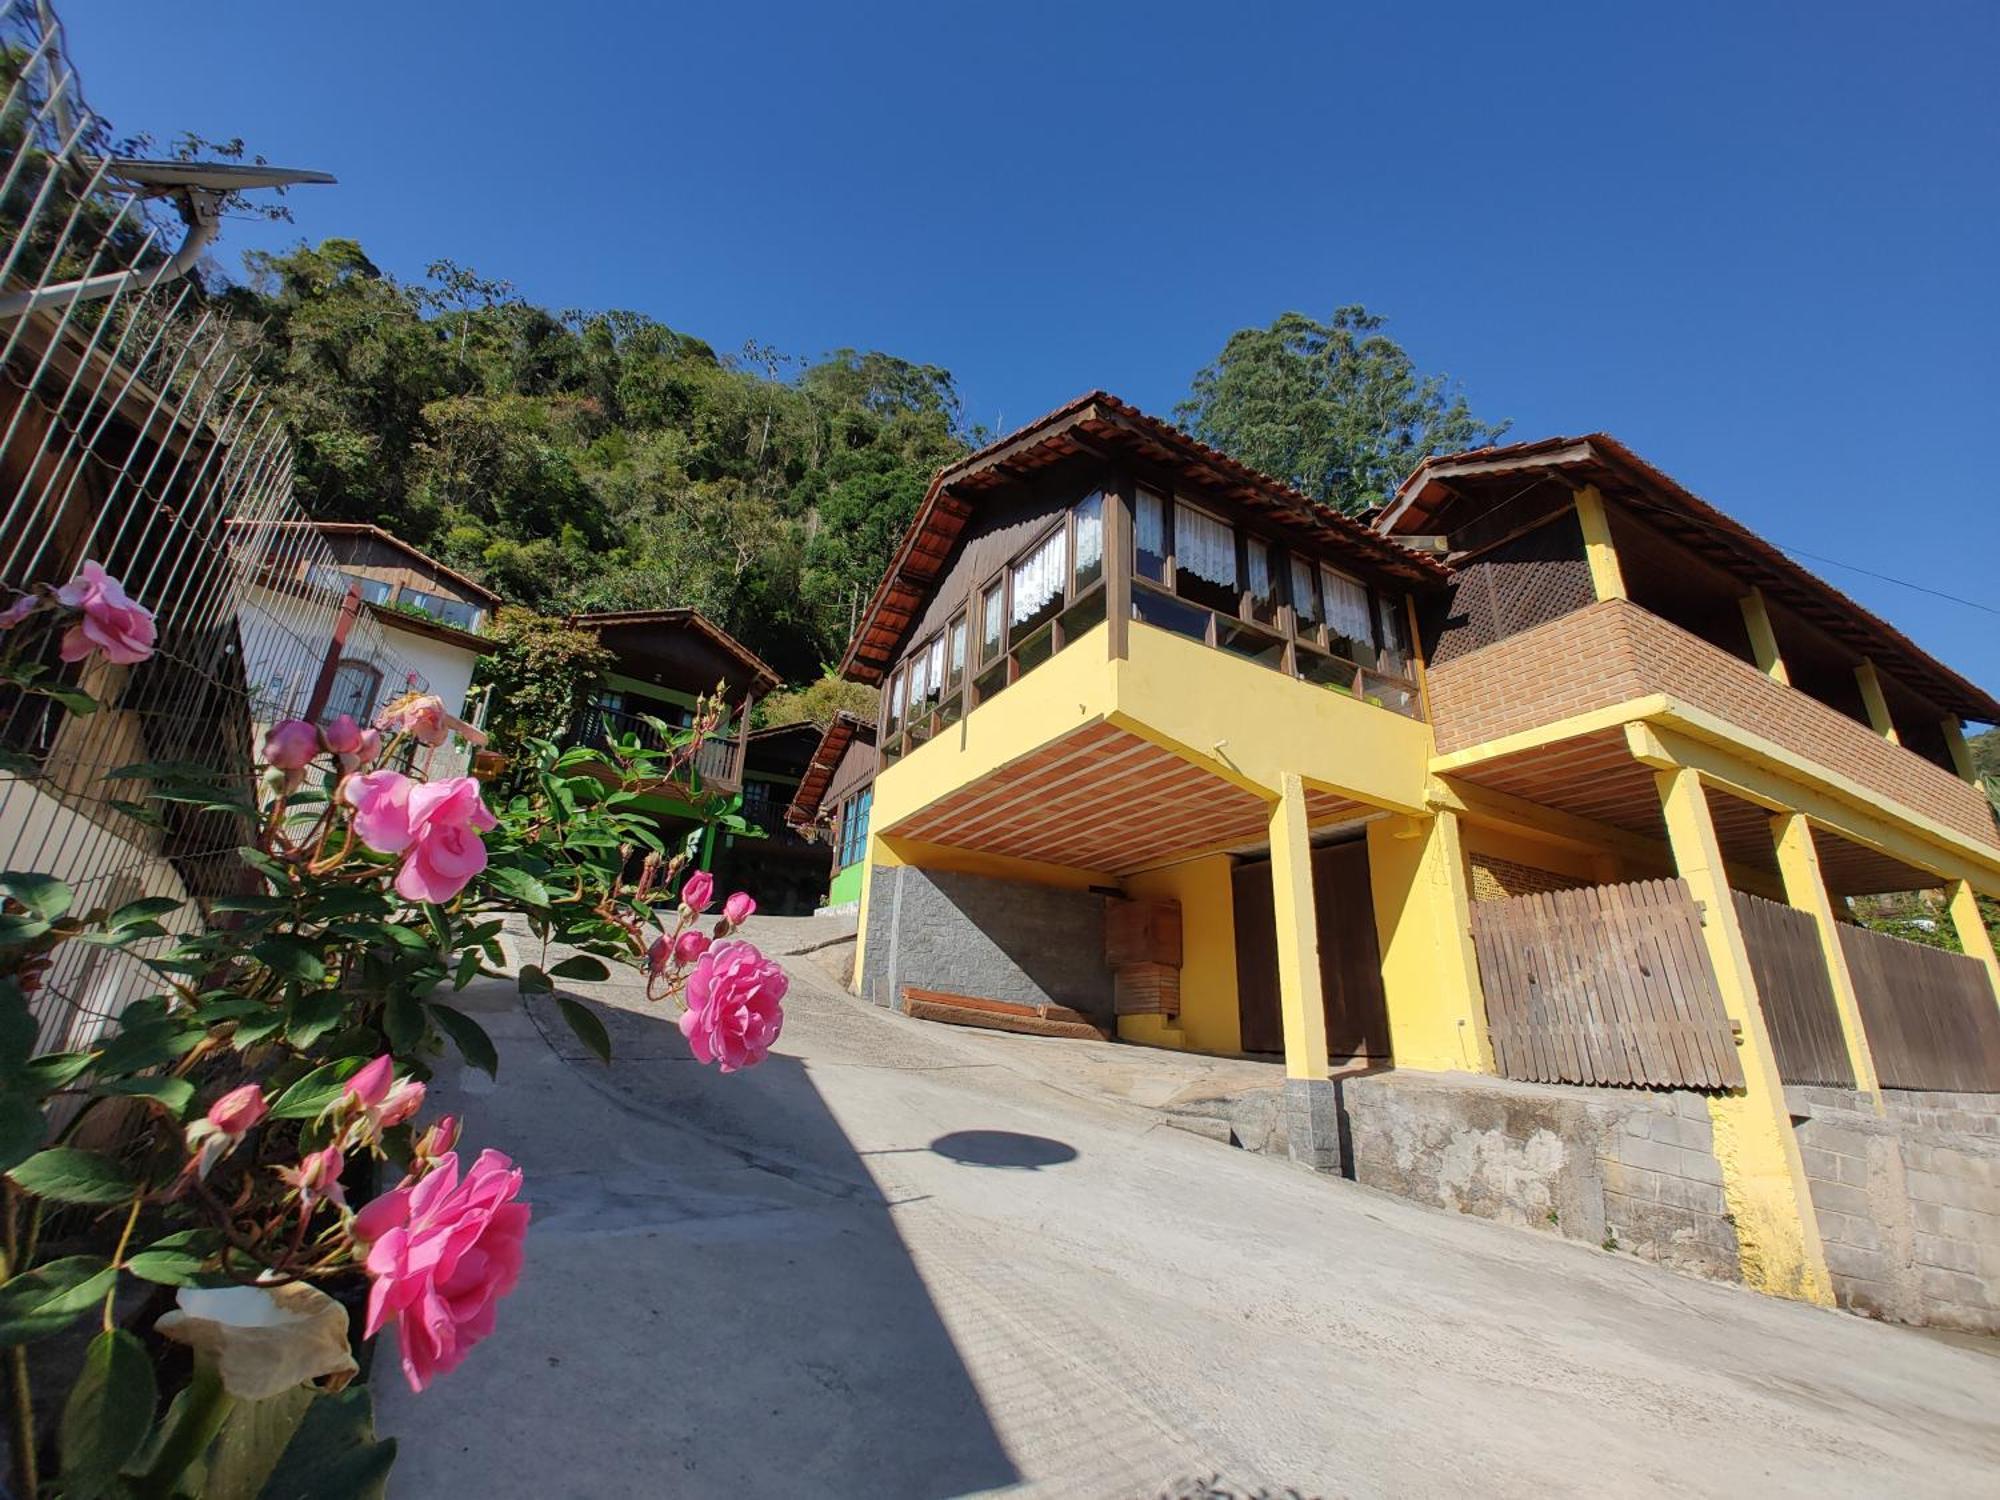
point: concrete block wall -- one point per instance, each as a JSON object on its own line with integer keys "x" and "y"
{"x": 1908, "y": 1202}
{"x": 1625, "y": 1169}
{"x": 990, "y": 938}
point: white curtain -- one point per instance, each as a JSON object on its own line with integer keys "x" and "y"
{"x": 917, "y": 664}
{"x": 1346, "y": 607}
{"x": 1038, "y": 579}
{"x": 1089, "y": 534}
{"x": 1149, "y": 524}
{"x": 1259, "y": 553}
{"x": 937, "y": 667}
{"x": 1305, "y": 594}
{"x": 990, "y": 641}
{"x": 1204, "y": 546}
{"x": 957, "y": 648}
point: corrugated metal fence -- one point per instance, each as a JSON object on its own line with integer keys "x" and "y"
{"x": 132, "y": 433}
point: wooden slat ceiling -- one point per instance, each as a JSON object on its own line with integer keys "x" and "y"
{"x": 1102, "y": 798}
{"x": 1594, "y": 776}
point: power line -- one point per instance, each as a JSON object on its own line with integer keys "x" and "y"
{"x": 1834, "y": 562}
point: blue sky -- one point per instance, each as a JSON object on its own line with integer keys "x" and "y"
{"x": 1758, "y": 242}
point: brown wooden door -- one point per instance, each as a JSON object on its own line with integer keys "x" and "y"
{"x": 1350, "y": 954}
{"x": 1257, "y": 957}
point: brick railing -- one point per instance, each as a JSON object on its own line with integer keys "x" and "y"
{"x": 1614, "y": 651}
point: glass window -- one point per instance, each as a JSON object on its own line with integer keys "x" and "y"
{"x": 1248, "y": 640}
{"x": 1035, "y": 648}
{"x": 1261, "y": 580}
{"x": 1305, "y": 592}
{"x": 1350, "y": 630}
{"x": 1038, "y": 588}
{"x": 918, "y": 663}
{"x": 894, "y": 718}
{"x": 1170, "y": 614}
{"x": 1149, "y": 536}
{"x": 1087, "y": 525}
{"x": 934, "y": 672}
{"x": 1083, "y": 616}
{"x": 955, "y": 656}
{"x": 992, "y": 623}
{"x": 1204, "y": 558}
{"x": 854, "y": 826}
{"x": 1395, "y": 639}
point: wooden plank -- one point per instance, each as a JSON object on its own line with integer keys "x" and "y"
{"x": 1930, "y": 1016}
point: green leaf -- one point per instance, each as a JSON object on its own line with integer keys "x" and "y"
{"x": 312, "y": 1014}
{"x": 173, "y": 1093}
{"x": 71, "y": 1176}
{"x": 139, "y": 812}
{"x": 17, "y": 928}
{"x": 402, "y": 1021}
{"x": 118, "y": 937}
{"x": 334, "y": 1455}
{"x": 248, "y": 903}
{"x": 77, "y": 703}
{"x": 313, "y": 1094}
{"x": 589, "y": 1030}
{"x": 468, "y": 969}
{"x": 54, "y": 1069}
{"x": 143, "y": 910}
{"x": 22, "y": 1128}
{"x": 516, "y": 885}
{"x": 469, "y": 1037}
{"x": 292, "y": 957}
{"x": 581, "y": 966}
{"x": 108, "y": 1414}
{"x": 44, "y": 895}
{"x": 17, "y": 1027}
{"x": 258, "y": 860}
{"x": 47, "y": 1299}
{"x": 177, "y": 1260}
{"x": 151, "y": 1044}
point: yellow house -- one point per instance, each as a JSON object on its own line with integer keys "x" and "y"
{"x": 1548, "y": 772}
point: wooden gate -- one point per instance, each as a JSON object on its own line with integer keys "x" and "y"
{"x": 1606, "y": 984}
{"x": 1350, "y": 955}
{"x": 1792, "y": 983}
{"x": 1930, "y": 1015}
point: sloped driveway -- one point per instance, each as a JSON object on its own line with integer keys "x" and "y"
{"x": 899, "y": 1260}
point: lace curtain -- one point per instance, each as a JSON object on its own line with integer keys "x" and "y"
{"x": 1038, "y": 579}
{"x": 937, "y": 668}
{"x": 1149, "y": 525}
{"x": 1305, "y": 594}
{"x": 1089, "y": 535}
{"x": 1204, "y": 546}
{"x": 1347, "y": 607}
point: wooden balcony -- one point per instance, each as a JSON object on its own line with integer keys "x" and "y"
{"x": 1614, "y": 652}
{"x": 719, "y": 761}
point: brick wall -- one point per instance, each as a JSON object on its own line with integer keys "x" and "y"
{"x": 1614, "y": 651}
{"x": 1630, "y": 1170}
{"x": 1908, "y": 1202}
{"x": 1495, "y": 879}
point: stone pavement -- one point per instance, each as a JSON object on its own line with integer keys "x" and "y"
{"x": 904, "y": 1260}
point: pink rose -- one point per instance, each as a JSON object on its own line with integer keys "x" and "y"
{"x": 697, "y": 891}
{"x": 381, "y": 803}
{"x": 405, "y": 1098}
{"x": 18, "y": 611}
{"x": 290, "y": 746}
{"x": 368, "y": 1088}
{"x": 446, "y": 851}
{"x": 733, "y": 1012}
{"x": 658, "y": 954}
{"x": 316, "y": 1179}
{"x": 365, "y": 753}
{"x": 737, "y": 909}
{"x": 441, "y": 1255}
{"x": 239, "y": 1109}
{"x": 111, "y": 622}
{"x": 690, "y": 946}
{"x": 343, "y": 735}
{"x": 422, "y": 716}
{"x": 437, "y": 1142}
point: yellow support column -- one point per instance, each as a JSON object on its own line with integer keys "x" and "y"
{"x": 1970, "y": 925}
{"x": 1763, "y": 1177}
{"x": 1605, "y": 574}
{"x": 1870, "y": 682}
{"x": 1423, "y": 920}
{"x": 1805, "y": 890}
{"x": 1312, "y": 1108}
{"x": 1961, "y": 753}
{"x": 1763, "y": 639}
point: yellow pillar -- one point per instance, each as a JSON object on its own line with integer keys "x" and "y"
{"x": 1423, "y": 919}
{"x": 1805, "y": 890}
{"x": 1870, "y": 682}
{"x": 1299, "y": 997}
{"x": 1970, "y": 926}
{"x": 1763, "y": 639}
{"x": 1605, "y": 574}
{"x": 1763, "y": 1177}
{"x": 1961, "y": 753}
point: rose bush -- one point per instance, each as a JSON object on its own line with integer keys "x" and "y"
{"x": 225, "y": 1137}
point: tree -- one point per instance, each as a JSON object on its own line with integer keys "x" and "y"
{"x": 539, "y": 670}
{"x": 818, "y": 702}
{"x": 1335, "y": 409}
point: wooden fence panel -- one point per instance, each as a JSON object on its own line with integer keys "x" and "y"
{"x": 1930, "y": 1015}
{"x": 1607, "y": 984}
{"x": 1792, "y": 982}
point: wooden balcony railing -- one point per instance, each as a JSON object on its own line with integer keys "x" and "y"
{"x": 718, "y": 760}
{"x": 1613, "y": 652}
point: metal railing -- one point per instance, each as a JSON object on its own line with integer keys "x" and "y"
{"x": 132, "y": 433}
{"x": 718, "y": 759}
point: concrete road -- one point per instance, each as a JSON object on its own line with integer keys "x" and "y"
{"x": 899, "y": 1260}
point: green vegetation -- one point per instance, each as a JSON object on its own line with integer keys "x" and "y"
{"x": 818, "y": 701}
{"x": 599, "y": 460}
{"x": 1337, "y": 409}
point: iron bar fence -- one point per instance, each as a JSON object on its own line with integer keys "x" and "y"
{"x": 133, "y": 432}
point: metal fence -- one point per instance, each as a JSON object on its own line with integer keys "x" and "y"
{"x": 132, "y": 432}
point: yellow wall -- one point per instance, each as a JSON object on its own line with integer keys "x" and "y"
{"x": 1209, "y": 1020}
{"x": 1430, "y": 978}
